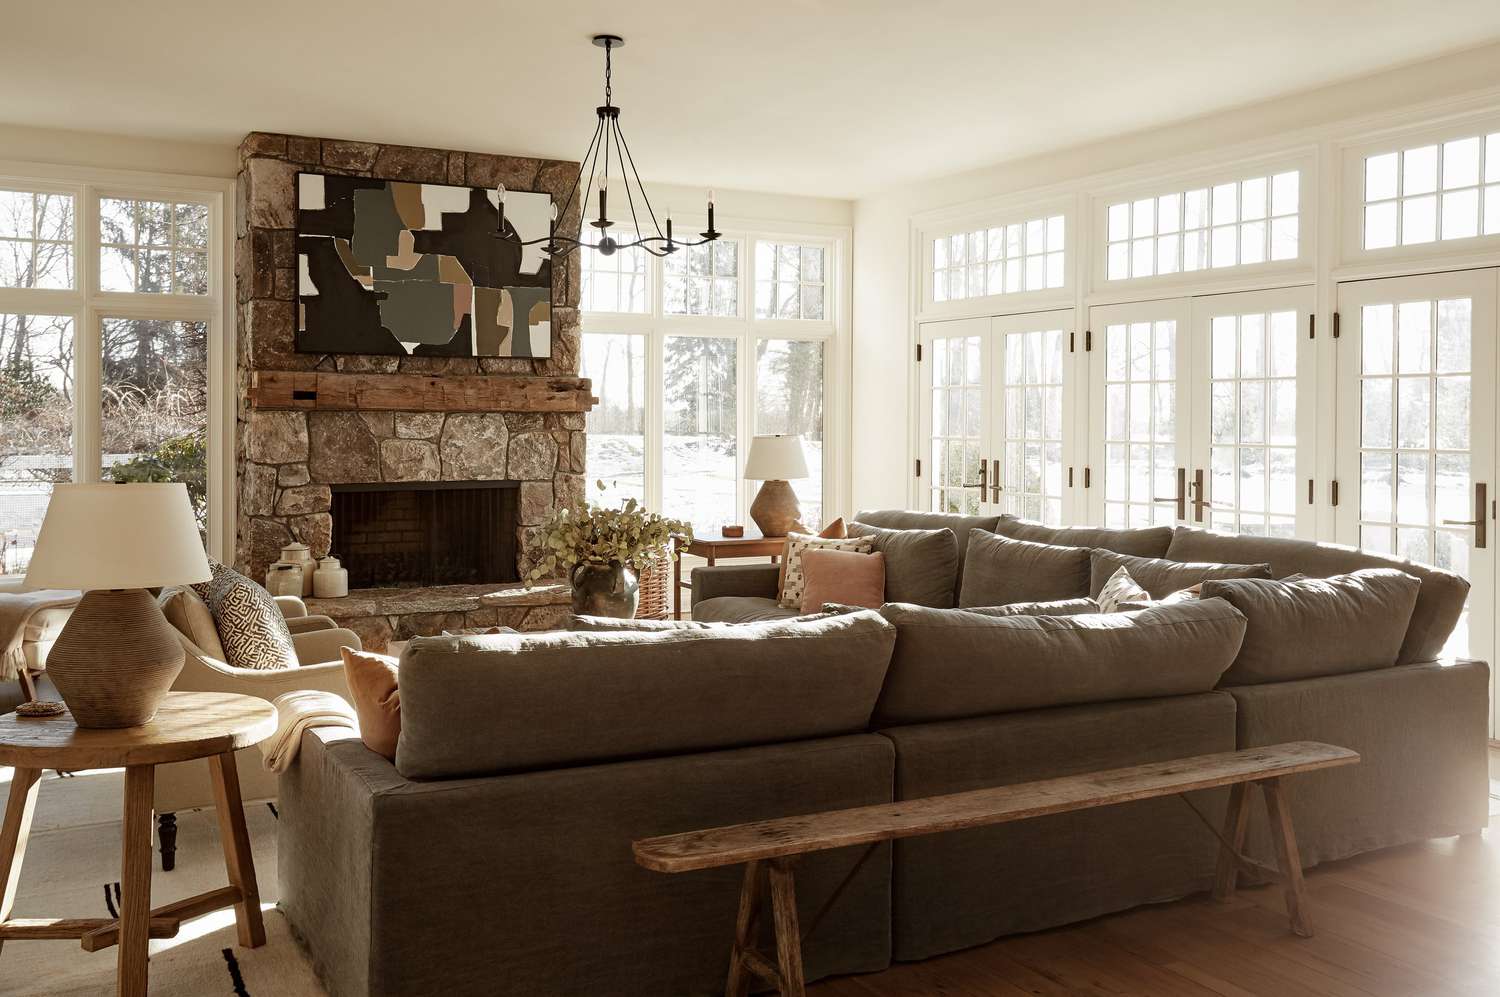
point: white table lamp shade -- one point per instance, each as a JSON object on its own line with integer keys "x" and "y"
{"x": 118, "y": 536}
{"x": 775, "y": 458}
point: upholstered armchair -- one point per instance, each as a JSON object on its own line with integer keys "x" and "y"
{"x": 186, "y": 786}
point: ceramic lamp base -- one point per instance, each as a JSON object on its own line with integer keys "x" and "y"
{"x": 775, "y": 509}
{"x": 116, "y": 658}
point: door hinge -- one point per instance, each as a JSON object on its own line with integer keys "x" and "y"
{"x": 1312, "y": 325}
{"x": 919, "y": 353}
{"x": 919, "y": 467}
{"x": 1070, "y": 477}
{"x": 1086, "y": 476}
{"x": 1335, "y": 325}
{"x": 1088, "y": 340}
{"x": 1309, "y": 491}
{"x": 1072, "y": 342}
{"x": 1333, "y": 491}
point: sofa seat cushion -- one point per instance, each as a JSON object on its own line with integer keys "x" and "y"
{"x": 1000, "y": 571}
{"x": 921, "y": 566}
{"x": 1440, "y": 601}
{"x": 950, "y": 663}
{"x": 1318, "y": 626}
{"x": 741, "y": 609}
{"x": 1148, "y": 541}
{"x": 482, "y": 705}
{"x": 1160, "y": 576}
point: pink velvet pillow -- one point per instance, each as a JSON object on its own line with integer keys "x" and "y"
{"x": 842, "y": 576}
{"x": 377, "y": 700}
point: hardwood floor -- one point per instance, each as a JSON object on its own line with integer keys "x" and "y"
{"x": 1418, "y": 920}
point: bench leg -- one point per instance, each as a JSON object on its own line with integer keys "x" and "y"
{"x": 1232, "y": 844}
{"x": 788, "y": 934}
{"x": 744, "y": 931}
{"x": 1288, "y": 859}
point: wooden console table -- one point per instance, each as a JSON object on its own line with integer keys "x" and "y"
{"x": 188, "y": 725}
{"x": 769, "y": 848}
{"x": 713, "y": 548}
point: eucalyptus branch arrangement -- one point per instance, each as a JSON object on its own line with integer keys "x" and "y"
{"x": 628, "y": 535}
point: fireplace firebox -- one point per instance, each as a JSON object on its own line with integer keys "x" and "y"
{"x": 426, "y": 533}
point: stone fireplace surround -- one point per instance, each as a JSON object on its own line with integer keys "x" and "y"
{"x": 286, "y": 460}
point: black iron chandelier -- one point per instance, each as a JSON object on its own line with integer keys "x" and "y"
{"x": 610, "y": 142}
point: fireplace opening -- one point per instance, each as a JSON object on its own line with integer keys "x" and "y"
{"x": 426, "y": 533}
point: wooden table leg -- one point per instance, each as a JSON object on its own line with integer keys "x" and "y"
{"x": 237, "y": 858}
{"x": 135, "y": 880}
{"x": 677, "y": 583}
{"x": 1236, "y": 823}
{"x": 744, "y": 931}
{"x": 1288, "y": 859}
{"x": 788, "y": 934}
{"x": 19, "y": 807}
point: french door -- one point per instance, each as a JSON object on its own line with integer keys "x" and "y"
{"x": 1416, "y": 430}
{"x": 1201, "y": 412}
{"x": 997, "y": 399}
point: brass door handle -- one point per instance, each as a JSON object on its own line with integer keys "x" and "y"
{"x": 1181, "y": 497}
{"x": 1199, "y": 502}
{"x": 981, "y": 486}
{"x": 1481, "y": 531}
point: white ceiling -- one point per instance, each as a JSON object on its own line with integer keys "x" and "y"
{"x": 829, "y": 97}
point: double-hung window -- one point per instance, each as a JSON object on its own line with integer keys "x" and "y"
{"x": 112, "y": 320}
{"x": 713, "y": 345}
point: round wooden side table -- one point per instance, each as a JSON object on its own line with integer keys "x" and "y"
{"x": 188, "y": 725}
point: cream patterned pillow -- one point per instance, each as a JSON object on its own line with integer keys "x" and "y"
{"x": 792, "y": 579}
{"x": 1120, "y": 588}
{"x": 251, "y": 628}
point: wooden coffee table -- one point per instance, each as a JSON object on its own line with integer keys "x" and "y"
{"x": 188, "y": 725}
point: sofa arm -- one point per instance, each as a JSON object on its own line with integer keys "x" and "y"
{"x": 316, "y": 647}
{"x": 291, "y": 606}
{"x": 755, "y": 580}
{"x": 302, "y": 624}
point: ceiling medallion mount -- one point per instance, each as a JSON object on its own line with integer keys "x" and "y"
{"x": 609, "y": 141}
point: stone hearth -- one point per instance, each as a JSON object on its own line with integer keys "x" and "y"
{"x": 380, "y": 616}
{"x": 288, "y": 459}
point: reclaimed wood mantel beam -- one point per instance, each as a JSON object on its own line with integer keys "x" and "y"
{"x": 347, "y": 392}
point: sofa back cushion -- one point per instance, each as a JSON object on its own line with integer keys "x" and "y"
{"x": 481, "y": 705}
{"x": 1000, "y": 570}
{"x": 921, "y": 566}
{"x": 906, "y": 519}
{"x": 1440, "y": 601}
{"x": 950, "y": 663}
{"x": 1147, "y": 541}
{"x": 1159, "y": 576}
{"x": 1051, "y": 607}
{"x": 1318, "y": 626}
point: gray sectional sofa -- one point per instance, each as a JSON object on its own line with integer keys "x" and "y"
{"x": 493, "y": 856}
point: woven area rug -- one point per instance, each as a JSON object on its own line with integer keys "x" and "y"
{"x": 72, "y": 869}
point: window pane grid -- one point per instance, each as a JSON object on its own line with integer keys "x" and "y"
{"x": 1241, "y": 223}
{"x": 1432, "y": 193}
{"x": 36, "y": 240}
{"x": 153, "y": 247}
{"x": 701, "y": 429}
{"x": 1140, "y": 423}
{"x": 1006, "y": 259}
{"x": 789, "y": 401}
{"x": 789, "y": 281}
{"x": 1414, "y": 430}
{"x": 613, "y": 283}
{"x": 616, "y": 442}
{"x": 36, "y": 427}
{"x": 703, "y": 280}
{"x": 956, "y": 405}
{"x": 1032, "y": 448}
{"x": 1253, "y": 455}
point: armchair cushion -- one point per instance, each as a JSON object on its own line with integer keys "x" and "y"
{"x": 190, "y": 616}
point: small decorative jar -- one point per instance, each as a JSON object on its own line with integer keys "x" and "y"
{"x": 331, "y": 580}
{"x": 284, "y": 578}
{"x": 300, "y": 553}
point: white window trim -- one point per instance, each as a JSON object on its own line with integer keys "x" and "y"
{"x": 89, "y": 306}
{"x": 1240, "y": 276}
{"x": 948, "y": 224}
{"x": 833, "y": 330}
{"x": 1352, "y": 257}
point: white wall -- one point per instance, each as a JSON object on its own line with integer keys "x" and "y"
{"x": 115, "y": 152}
{"x": 884, "y": 337}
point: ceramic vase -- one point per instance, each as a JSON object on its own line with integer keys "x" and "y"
{"x": 605, "y": 590}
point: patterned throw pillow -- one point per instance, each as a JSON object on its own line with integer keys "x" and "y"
{"x": 1120, "y": 588}
{"x": 792, "y": 579}
{"x": 251, "y": 628}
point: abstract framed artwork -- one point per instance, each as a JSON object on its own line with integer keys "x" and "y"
{"x": 414, "y": 269}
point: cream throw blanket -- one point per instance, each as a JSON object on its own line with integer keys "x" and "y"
{"x": 299, "y": 711}
{"x": 16, "y": 611}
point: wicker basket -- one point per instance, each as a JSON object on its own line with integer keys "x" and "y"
{"x": 656, "y": 592}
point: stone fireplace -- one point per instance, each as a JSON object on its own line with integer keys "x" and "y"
{"x": 426, "y": 533}
{"x": 309, "y": 425}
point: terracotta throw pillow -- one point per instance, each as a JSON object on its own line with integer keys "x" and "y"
{"x": 844, "y": 577}
{"x": 791, "y": 562}
{"x": 377, "y": 699}
{"x": 833, "y": 531}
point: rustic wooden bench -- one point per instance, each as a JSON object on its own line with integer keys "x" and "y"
{"x": 769, "y": 848}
